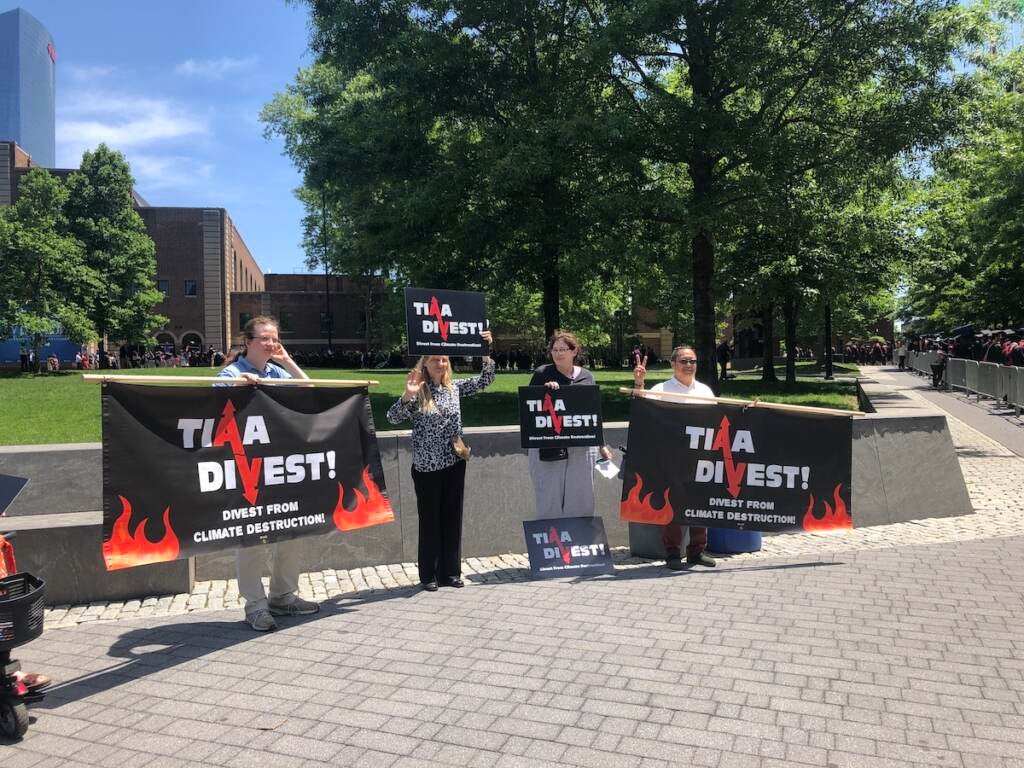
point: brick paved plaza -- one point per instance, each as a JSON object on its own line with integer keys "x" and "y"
{"x": 889, "y": 646}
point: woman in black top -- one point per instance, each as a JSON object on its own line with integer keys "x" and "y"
{"x": 432, "y": 402}
{"x": 563, "y": 478}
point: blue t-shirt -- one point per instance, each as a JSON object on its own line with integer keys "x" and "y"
{"x": 242, "y": 365}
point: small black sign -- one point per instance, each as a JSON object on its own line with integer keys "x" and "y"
{"x": 571, "y": 546}
{"x": 560, "y": 418}
{"x": 445, "y": 322}
{"x": 10, "y": 487}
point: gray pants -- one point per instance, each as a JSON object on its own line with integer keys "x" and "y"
{"x": 564, "y": 488}
{"x": 284, "y": 572}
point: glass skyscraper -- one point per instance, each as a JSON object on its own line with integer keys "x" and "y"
{"x": 27, "y": 62}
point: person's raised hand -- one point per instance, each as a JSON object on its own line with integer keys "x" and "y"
{"x": 413, "y": 385}
{"x": 640, "y": 372}
{"x": 487, "y": 336}
{"x": 551, "y": 384}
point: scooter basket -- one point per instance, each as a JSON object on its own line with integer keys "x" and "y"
{"x": 21, "y": 609}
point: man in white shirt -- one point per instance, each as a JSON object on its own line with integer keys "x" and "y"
{"x": 683, "y": 381}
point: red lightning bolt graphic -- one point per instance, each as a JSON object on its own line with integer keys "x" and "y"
{"x": 435, "y": 310}
{"x": 227, "y": 432}
{"x": 733, "y": 472}
{"x": 549, "y": 406}
{"x": 553, "y": 536}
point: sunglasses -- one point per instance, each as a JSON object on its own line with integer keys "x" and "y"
{"x": 687, "y": 361}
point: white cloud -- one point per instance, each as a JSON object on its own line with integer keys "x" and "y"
{"x": 89, "y": 74}
{"x": 156, "y": 173}
{"x": 153, "y": 133}
{"x": 215, "y": 69}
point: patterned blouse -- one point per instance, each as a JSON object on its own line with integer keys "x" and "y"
{"x": 433, "y": 432}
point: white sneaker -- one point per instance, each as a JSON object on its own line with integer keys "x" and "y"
{"x": 260, "y": 620}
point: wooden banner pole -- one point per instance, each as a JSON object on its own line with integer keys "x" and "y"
{"x": 155, "y": 379}
{"x": 734, "y": 401}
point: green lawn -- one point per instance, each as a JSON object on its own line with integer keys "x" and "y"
{"x": 61, "y": 408}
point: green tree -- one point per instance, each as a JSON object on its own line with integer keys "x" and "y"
{"x": 116, "y": 247}
{"x": 469, "y": 145}
{"x": 44, "y": 272}
{"x": 734, "y": 91}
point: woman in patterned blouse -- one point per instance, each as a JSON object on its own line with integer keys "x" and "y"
{"x": 431, "y": 401}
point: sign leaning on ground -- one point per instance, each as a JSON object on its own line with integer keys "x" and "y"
{"x": 199, "y": 469}
{"x": 563, "y": 417}
{"x": 727, "y": 466}
{"x": 570, "y": 546}
{"x": 445, "y": 322}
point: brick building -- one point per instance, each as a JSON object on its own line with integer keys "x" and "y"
{"x": 212, "y": 284}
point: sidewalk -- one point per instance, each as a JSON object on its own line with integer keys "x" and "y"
{"x": 891, "y": 646}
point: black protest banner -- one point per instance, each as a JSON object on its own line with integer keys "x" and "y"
{"x": 571, "y": 546}
{"x": 196, "y": 469}
{"x": 726, "y": 466}
{"x": 561, "y": 417}
{"x": 445, "y": 322}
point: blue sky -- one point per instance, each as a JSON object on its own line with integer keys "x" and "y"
{"x": 178, "y": 87}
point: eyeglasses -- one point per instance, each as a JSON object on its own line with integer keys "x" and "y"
{"x": 687, "y": 361}
{"x": 562, "y": 349}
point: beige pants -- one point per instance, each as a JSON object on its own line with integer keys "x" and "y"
{"x": 564, "y": 488}
{"x": 284, "y": 572}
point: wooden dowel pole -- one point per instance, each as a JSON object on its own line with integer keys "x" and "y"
{"x": 735, "y": 401}
{"x": 155, "y": 379}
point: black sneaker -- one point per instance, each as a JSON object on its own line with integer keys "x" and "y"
{"x": 702, "y": 559}
{"x": 674, "y": 563}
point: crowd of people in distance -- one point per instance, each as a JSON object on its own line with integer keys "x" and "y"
{"x": 1005, "y": 347}
{"x": 868, "y": 352}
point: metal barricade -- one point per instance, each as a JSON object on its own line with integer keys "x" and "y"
{"x": 1017, "y": 388}
{"x": 988, "y": 380}
{"x": 971, "y": 375}
{"x": 956, "y": 372}
{"x": 1004, "y": 384}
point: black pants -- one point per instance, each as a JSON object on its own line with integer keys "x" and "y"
{"x": 903, "y": 360}
{"x": 439, "y": 505}
{"x": 937, "y": 371}
{"x": 724, "y": 365}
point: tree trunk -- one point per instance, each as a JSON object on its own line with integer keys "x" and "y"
{"x": 768, "y": 352}
{"x": 790, "y": 312}
{"x": 704, "y": 308}
{"x": 549, "y": 255}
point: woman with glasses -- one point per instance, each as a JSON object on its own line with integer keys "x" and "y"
{"x": 563, "y": 478}
{"x": 683, "y": 382}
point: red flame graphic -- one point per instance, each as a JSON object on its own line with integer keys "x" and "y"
{"x": 834, "y": 519}
{"x": 637, "y": 508}
{"x": 555, "y": 538}
{"x": 556, "y": 421}
{"x": 126, "y": 548}
{"x": 435, "y": 311}
{"x": 373, "y": 508}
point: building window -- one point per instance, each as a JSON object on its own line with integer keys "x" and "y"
{"x": 164, "y": 286}
{"x": 287, "y": 319}
{"x": 190, "y": 288}
{"x": 243, "y": 318}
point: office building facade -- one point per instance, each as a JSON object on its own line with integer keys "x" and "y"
{"x": 28, "y": 60}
